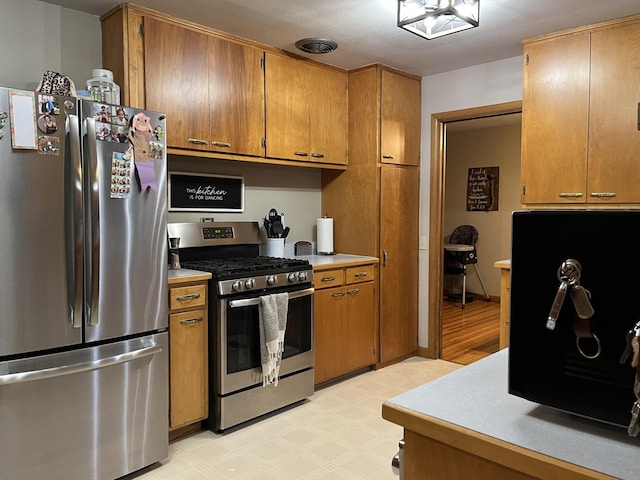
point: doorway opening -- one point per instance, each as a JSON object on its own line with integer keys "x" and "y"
{"x": 437, "y": 209}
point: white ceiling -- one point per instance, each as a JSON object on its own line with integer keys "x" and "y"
{"x": 366, "y": 30}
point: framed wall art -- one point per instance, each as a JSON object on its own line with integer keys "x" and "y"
{"x": 483, "y": 188}
{"x": 205, "y": 193}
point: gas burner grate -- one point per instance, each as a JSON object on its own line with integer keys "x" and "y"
{"x": 251, "y": 265}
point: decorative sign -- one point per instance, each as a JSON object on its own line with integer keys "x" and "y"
{"x": 22, "y": 110}
{"x": 483, "y": 189}
{"x": 210, "y": 193}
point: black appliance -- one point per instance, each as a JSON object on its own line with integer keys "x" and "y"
{"x": 557, "y": 358}
{"x": 240, "y": 277}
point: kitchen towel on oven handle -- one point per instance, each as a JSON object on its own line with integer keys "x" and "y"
{"x": 273, "y": 310}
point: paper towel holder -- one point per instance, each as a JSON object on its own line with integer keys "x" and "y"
{"x": 330, "y": 241}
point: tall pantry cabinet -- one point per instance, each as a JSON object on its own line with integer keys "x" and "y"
{"x": 374, "y": 202}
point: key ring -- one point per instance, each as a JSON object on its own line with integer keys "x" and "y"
{"x": 590, "y": 357}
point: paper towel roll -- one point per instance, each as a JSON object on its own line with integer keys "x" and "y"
{"x": 325, "y": 236}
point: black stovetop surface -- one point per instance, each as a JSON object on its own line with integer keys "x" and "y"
{"x": 249, "y": 266}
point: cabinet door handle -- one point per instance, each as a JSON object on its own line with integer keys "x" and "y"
{"x": 190, "y": 321}
{"x": 197, "y": 141}
{"x": 353, "y": 292}
{"x": 570, "y": 194}
{"x": 360, "y": 274}
{"x": 301, "y": 154}
{"x": 338, "y": 294}
{"x": 317, "y": 155}
{"x": 603, "y": 194}
{"x": 385, "y": 257}
{"x": 221, "y": 144}
{"x": 191, "y": 296}
{"x": 387, "y": 157}
{"x": 328, "y": 279}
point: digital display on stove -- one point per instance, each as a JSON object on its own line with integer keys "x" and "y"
{"x": 212, "y": 233}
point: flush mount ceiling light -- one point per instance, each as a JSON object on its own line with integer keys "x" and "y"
{"x": 434, "y": 18}
{"x": 316, "y": 45}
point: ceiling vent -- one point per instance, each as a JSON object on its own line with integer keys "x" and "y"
{"x": 316, "y": 45}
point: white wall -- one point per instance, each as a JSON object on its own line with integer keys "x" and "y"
{"x": 37, "y": 36}
{"x": 294, "y": 191}
{"x": 486, "y": 84}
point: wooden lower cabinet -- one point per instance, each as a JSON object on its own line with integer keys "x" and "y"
{"x": 188, "y": 351}
{"x": 344, "y": 321}
{"x": 505, "y": 300}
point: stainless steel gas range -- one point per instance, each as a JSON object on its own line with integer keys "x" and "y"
{"x": 240, "y": 278}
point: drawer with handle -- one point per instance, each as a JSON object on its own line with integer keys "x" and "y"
{"x": 185, "y": 297}
{"x": 186, "y": 319}
{"x": 365, "y": 273}
{"x": 328, "y": 278}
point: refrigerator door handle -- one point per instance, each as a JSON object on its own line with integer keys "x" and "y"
{"x": 76, "y": 239}
{"x": 93, "y": 221}
{"x": 33, "y": 375}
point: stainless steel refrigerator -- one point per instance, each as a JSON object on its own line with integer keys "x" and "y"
{"x": 83, "y": 288}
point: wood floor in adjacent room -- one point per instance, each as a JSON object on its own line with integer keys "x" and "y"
{"x": 471, "y": 333}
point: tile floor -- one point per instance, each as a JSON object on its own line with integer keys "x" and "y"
{"x": 337, "y": 434}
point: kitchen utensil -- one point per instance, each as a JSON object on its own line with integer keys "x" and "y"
{"x": 285, "y": 232}
{"x": 268, "y": 228}
{"x": 277, "y": 227}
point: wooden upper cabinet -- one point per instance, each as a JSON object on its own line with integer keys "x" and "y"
{"x": 211, "y": 89}
{"x": 554, "y": 120}
{"x": 400, "y": 119}
{"x": 287, "y": 107}
{"x": 176, "y": 81}
{"x": 236, "y": 97}
{"x": 580, "y": 136}
{"x": 306, "y": 111}
{"x": 328, "y": 115}
{"x": 614, "y": 123}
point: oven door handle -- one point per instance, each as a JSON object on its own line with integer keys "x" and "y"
{"x": 247, "y": 302}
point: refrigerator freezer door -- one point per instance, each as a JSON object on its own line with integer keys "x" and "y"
{"x": 37, "y": 256}
{"x": 126, "y": 289}
{"x": 98, "y": 413}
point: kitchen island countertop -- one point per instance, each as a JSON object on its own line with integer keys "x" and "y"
{"x": 472, "y": 405}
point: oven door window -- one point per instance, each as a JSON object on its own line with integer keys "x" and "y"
{"x": 243, "y": 334}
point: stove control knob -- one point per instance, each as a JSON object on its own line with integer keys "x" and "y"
{"x": 302, "y": 276}
{"x": 236, "y": 286}
{"x": 249, "y": 284}
{"x": 292, "y": 277}
{"x": 271, "y": 280}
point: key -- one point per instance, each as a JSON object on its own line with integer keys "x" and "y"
{"x": 628, "y": 349}
{"x": 569, "y": 275}
{"x": 636, "y": 387}
{"x": 557, "y": 305}
{"x": 581, "y": 301}
{"x": 570, "y": 271}
{"x": 635, "y": 346}
{"x": 634, "y": 424}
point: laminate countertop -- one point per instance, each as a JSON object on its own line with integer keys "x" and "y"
{"x": 338, "y": 260}
{"x": 476, "y": 399}
{"x": 186, "y": 275}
